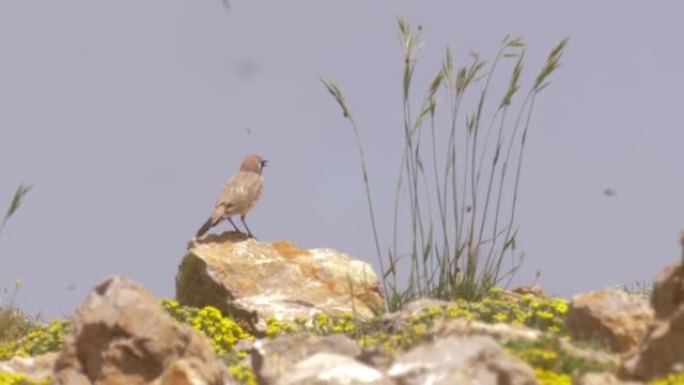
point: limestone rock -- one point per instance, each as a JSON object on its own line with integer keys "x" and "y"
{"x": 535, "y": 290}
{"x": 35, "y": 368}
{"x": 597, "y": 356}
{"x": 668, "y": 291}
{"x": 662, "y": 349}
{"x": 603, "y": 378}
{"x": 398, "y": 319}
{"x": 610, "y": 316}
{"x": 501, "y": 332}
{"x": 461, "y": 360}
{"x": 332, "y": 369}
{"x": 120, "y": 335}
{"x": 271, "y": 359}
{"x": 252, "y": 280}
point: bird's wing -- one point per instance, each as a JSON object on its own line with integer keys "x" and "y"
{"x": 240, "y": 190}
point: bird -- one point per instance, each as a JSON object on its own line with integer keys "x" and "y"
{"x": 238, "y": 196}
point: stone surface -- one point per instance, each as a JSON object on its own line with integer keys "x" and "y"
{"x": 461, "y": 360}
{"x": 535, "y": 290}
{"x": 610, "y": 316}
{"x": 394, "y": 321}
{"x": 35, "y": 368}
{"x": 500, "y": 332}
{"x": 662, "y": 349}
{"x": 271, "y": 359}
{"x": 668, "y": 291}
{"x": 253, "y": 281}
{"x": 120, "y": 335}
{"x": 599, "y": 357}
{"x": 332, "y": 369}
{"x": 603, "y": 378}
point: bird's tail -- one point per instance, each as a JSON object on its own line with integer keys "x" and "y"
{"x": 206, "y": 226}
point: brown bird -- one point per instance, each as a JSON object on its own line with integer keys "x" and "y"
{"x": 238, "y": 196}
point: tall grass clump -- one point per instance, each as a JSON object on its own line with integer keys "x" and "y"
{"x": 13, "y": 323}
{"x": 17, "y": 200}
{"x": 459, "y": 175}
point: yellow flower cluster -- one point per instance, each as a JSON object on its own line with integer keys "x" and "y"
{"x": 543, "y": 314}
{"x": 672, "y": 379}
{"x": 243, "y": 373}
{"x": 223, "y": 332}
{"x": 321, "y": 324}
{"x": 41, "y": 339}
{"x": 548, "y": 377}
{"x": 20, "y": 379}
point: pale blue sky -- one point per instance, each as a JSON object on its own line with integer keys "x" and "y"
{"x": 129, "y": 116}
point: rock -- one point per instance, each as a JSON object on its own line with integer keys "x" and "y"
{"x": 668, "y": 291}
{"x": 501, "y": 332}
{"x": 535, "y": 290}
{"x": 376, "y": 357}
{"x": 461, "y": 360}
{"x": 120, "y": 335}
{"x": 394, "y": 321}
{"x": 332, "y": 369}
{"x": 599, "y": 357}
{"x": 603, "y": 378}
{"x": 271, "y": 359}
{"x": 190, "y": 371}
{"x": 662, "y": 349}
{"x": 252, "y": 281}
{"x": 610, "y": 316}
{"x": 35, "y": 368}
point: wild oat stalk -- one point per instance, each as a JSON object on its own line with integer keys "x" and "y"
{"x": 335, "y": 92}
{"x": 17, "y": 200}
{"x": 459, "y": 254}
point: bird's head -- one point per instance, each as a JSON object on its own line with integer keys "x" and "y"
{"x": 253, "y": 163}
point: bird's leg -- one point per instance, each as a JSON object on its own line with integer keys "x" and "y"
{"x": 235, "y": 227}
{"x": 242, "y": 218}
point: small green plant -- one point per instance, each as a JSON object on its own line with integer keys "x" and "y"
{"x": 454, "y": 185}
{"x": 548, "y": 377}
{"x": 20, "y": 379}
{"x": 13, "y": 322}
{"x": 547, "y": 354}
{"x": 671, "y": 379}
{"x": 223, "y": 332}
{"x": 640, "y": 288}
{"x": 243, "y": 373}
{"x": 39, "y": 340}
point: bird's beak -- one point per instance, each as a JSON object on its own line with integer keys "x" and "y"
{"x": 264, "y": 163}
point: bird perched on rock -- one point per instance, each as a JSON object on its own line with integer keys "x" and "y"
{"x": 239, "y": 195}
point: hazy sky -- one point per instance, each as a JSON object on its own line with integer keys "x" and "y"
{"x": 128, "y": 116}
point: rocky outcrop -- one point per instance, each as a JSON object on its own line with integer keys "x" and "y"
{"x": 252, "y": 281}
{"x": 461, "y": 360}
{"x": 662, "y": 349}
{"x": 120, "y": 335}
{"x": 609, "y": 316}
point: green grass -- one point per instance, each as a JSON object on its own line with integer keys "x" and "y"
{"x": 459, "y": 176}
{"x": 13, "y": 323}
